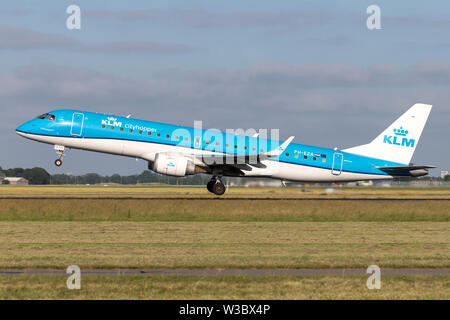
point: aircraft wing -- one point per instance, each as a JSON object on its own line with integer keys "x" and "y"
{"x": 214, "y": 160}
{"x": 232, "y": 165}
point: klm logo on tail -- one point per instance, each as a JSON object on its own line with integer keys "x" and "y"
{"x": 399, "y": 138}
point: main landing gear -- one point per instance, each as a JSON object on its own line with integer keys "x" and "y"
{"x": 60, "y": 151}
{"x": 216, "y": 186}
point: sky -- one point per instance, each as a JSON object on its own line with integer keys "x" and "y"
{"x": 308, "y": 68}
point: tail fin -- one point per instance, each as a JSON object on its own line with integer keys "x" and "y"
{"x": 398, "y": 142}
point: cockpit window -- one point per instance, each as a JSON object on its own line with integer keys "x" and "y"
{"x": 47, "y": 116}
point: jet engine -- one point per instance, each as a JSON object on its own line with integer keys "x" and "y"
{"x": 172, "y": 165}
{"x": 418, "y": 172}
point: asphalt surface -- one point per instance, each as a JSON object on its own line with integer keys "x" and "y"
{"x": 221, "y": 199}
{"x": 387, "y": 272}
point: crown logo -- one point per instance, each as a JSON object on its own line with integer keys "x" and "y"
{"x": 400, "y": 132}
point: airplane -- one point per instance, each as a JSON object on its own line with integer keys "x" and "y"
{"x": 180, "y": 151}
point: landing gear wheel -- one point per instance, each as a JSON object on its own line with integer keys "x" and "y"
{"x": 218, "y": 188}
{"x": 60, "y": 151}
{"x": 209, "y": 186}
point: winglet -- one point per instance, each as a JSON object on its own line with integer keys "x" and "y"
{"x": 279, "y": 150}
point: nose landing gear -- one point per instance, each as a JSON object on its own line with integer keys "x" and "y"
{"x": 216, "y": 186}
{"x": 60, "y": 151}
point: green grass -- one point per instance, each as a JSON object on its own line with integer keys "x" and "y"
{"x": 236, "y": 210}
{"x": 56, "y": 233}
{"x": 233, "y": 192}
{"x": 202, "y": 288}
{"x": 224, "y": 244}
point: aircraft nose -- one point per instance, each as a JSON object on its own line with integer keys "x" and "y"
{"x": 24, "y": 128}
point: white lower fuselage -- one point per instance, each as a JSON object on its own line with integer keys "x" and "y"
{"x": 147, "y": 151}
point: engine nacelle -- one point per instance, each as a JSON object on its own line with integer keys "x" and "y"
{"x": 418, "y": 172}
{"x": 172, "y": 165}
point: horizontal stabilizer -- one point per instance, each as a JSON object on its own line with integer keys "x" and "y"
{"x": 405, "y": 168}
{"x": 413, "y": 171}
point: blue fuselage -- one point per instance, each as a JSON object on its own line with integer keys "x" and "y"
{"x": 81, "y": 125}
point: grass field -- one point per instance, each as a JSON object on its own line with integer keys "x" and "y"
{"x": 177, "y": 233}
{"x": 223, "y": 288}
{"x": 209, "y": 210}
{"x": 224, "y": 244}
{"x": 233, "y": 192}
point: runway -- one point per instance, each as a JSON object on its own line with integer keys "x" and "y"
{"x": 224, "y": 199}
{"x": 336, "y": 272}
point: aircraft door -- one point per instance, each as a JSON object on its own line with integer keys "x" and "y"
{"x": 338, "y": 160}
{"x": 77, "y": 124}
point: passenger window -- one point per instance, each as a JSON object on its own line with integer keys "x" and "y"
{"x": 140, "y": 131}
{"x": 103, "y": 126}
{"x": 158, "y": 134}
{"x": 149, "y": 133}
{"x": 287, "y": 154}
{"x": 305, "y": 157}
{"x": 121, "y": 129}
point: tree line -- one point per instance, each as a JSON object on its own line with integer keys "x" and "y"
{"x": 41, "y": 176}
{"x": 38, "y": 175}
{"x": 34, "y": 175}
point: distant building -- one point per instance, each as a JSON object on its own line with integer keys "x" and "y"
{"x": 368, "y": 183}
{"x": 2, "y": 177}
{"x": 444, "y": 173}
{"x": 16, "y": 181}
{"x": 263, "y": 183}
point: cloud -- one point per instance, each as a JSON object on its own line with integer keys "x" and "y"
{"x": 424, "y": 21}
{"x": 17, "y": 39}
{"x": 337, "y": 40}
{"x": 21, "y": 39}
{"x": 263, "y": 78}
{"x": 138, "y": 47}
{"x": 202, "y": 18}
{"x": 17, "y": 12}
{"x": 334, "y": 105}
{"x": 263, "y": 87}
